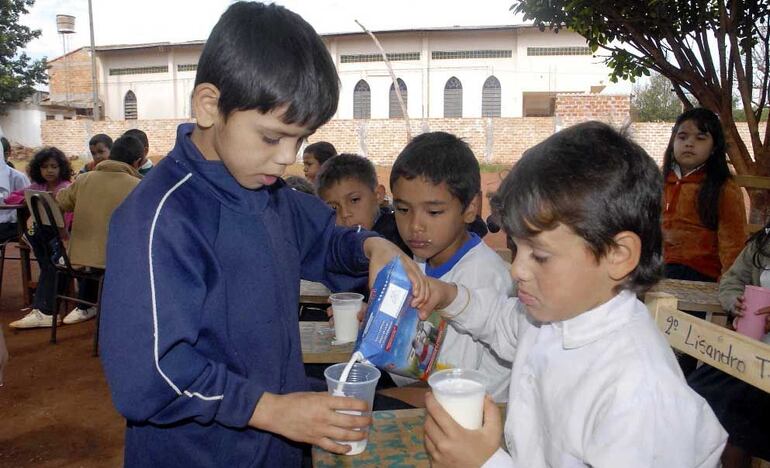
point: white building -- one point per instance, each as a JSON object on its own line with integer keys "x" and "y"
{"x": 503, "y": 71}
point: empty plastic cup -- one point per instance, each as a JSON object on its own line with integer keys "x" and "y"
{"x": 461, "y": 393}
{"x": 346, "y": 307}
{"x": 750, "y": 324}
{"x": 361, "y": 384}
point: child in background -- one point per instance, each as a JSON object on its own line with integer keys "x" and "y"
{"x": 92, "y": 198}
{"x": 348, "y": 184}
{"x": 300, "y": 185}
{"x": 99, "y": 145}
{"x": 315, "y": 156}
{"x": 146, "y": 163}
{"x": 11, "y": 180}
{"x": 704, "y": 217}
{"x": 435, "y": 182}
{"x": 594, "y": 383}
{"x": 50, "y": 171}
{"x": 743, "y": 409}
{"x": 200, "y": 340}
{"x": 7, "y": 151}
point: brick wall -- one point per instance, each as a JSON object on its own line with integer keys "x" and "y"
{"x": 78, "y": 80}
{"x": 499, "y": 140}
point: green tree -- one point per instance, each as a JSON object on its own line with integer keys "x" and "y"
{"x": 18, "y": 72}
{"x": 655, "y": 101}
{"x": 706, "y": 48}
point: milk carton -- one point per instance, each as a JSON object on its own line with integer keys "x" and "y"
{"x": 394, "y": 338}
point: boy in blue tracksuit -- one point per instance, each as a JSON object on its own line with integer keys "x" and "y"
{"x": 200, "y": 341}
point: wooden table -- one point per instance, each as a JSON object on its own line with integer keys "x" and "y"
{"x": 28, "y": 286}
{"x": 395, "y": 439}
{"x": 313, "y": 293}
{"x": 317, "y": 347}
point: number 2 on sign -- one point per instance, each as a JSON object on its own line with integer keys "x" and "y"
{"x": 672, "y": 323}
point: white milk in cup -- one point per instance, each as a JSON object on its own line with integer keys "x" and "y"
{"x": 346, "y": 307}
{"x": 461, "y": 393}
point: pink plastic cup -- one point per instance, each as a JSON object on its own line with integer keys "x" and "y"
{"x": 750, "y": 324}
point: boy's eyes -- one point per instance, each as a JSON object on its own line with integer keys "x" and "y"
{"x": 435, "y": 212}
{"x": 539, "y": 258}
{"x": 270, "y": 141}
{"x": 401, "y": 209}
{"x": 355, "y": 200}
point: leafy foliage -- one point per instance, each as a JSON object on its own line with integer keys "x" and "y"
{"x": 18, "y": 72}
{"x": 655, "y": 101}
{"x": 708, "y": 49}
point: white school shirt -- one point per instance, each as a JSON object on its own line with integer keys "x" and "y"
{"x": 10, "y": 181}
{"x": 602, "y": 389}
{"x": 479, "y": 267}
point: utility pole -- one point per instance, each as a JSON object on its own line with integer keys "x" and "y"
{"x": 96, "y": 111}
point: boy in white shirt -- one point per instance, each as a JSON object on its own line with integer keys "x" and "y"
{"x": 434, "y": 182}
{"x": 594, "y": 383}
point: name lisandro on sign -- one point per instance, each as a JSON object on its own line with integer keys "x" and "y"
{"x": 731, "y": 352}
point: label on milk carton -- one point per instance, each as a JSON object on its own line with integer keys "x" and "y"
{"x": 394, "y": 338}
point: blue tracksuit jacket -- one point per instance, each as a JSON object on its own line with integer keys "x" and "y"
{"x": 199, "y": 310}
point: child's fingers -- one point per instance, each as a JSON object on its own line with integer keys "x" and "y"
{"x": 344, "y": 434}
{"x": 763, "y": 311}
{"x": 333, "y": 447}
{"x": 350, "y": 421}
{"x": 438, "y": 416}
{"x": 430, "y": 447}
{"x": 493, "y": 421}
{"x": 339, "y": 403}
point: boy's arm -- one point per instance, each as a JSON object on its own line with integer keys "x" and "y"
{"x": 66, "y": 197}
{"x": 152, "y": 302}
{"x": 466, "y": 311}
{"x": 733, "y": 282}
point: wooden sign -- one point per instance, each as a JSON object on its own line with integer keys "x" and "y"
{"x": 728, "y": 351}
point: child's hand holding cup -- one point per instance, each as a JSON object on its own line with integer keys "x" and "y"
{"x": 751, "y": 310}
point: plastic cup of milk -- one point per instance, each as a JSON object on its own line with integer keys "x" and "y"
{"x": 461, "y": 393}
{"x": 751, "y": 324}
{"x": 346, "y": 307}
{"x": 361, "y": 384}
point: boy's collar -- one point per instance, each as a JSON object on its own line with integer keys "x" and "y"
{"x": 598, "y": 322}
{"x": 441, "y": 270}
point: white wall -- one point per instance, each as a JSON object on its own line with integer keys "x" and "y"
{"x": 21, "y": 124}
{"x": 167, "y": 95}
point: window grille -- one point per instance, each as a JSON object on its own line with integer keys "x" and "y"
{"x": 138, "y": 70}
{"x": 453, "y": 98}
{"x": 490, "y": 98}
{"x": 362, "y": 100}
{"x": 129, "y": 106}
{"x": 394, "y": 110}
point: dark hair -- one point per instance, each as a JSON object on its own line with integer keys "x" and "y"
{"x": 322, "y": 151}
{"x": 346, "y": 166}
{"x": 715, "y": 168}
{"x": 264, "y": 57}
{"x": 300, "y": 184}
{"x": 139, "y": 135}
{"x": 762, "y": 240}
{"x": 101, "y": 138}
{"x": 595, "y": 181}
{"x": 49, "y": 152}
{"x": 6, "y": 146}
{"x": 440, "y": 157}
{"x": 127, "y": 149}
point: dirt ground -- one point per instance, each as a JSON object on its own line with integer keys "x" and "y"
{"x": 55, "y": 407}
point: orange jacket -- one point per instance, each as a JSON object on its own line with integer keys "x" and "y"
{"x": 687, "y": 241}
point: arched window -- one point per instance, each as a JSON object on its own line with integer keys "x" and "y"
{"x": 395, "y": 108}
{"x": 129, "y": 106}
{"x": 490, "y": 98}
{"x": 362, "y": 100}
{"x": 453, "y": 98}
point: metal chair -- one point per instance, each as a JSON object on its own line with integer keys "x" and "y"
{"x": 48, "y": 218}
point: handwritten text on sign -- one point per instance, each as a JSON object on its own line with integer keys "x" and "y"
{"x": 731, "y": 352}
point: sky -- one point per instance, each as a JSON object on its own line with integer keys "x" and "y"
{"x": 142, "y": 21}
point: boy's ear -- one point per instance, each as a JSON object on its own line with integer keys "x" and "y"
{"x": 623, "y": 257}
{"x": 380, "y": 193}
{"x": 469, "y": 214}
{"x": 205, "y": 103}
